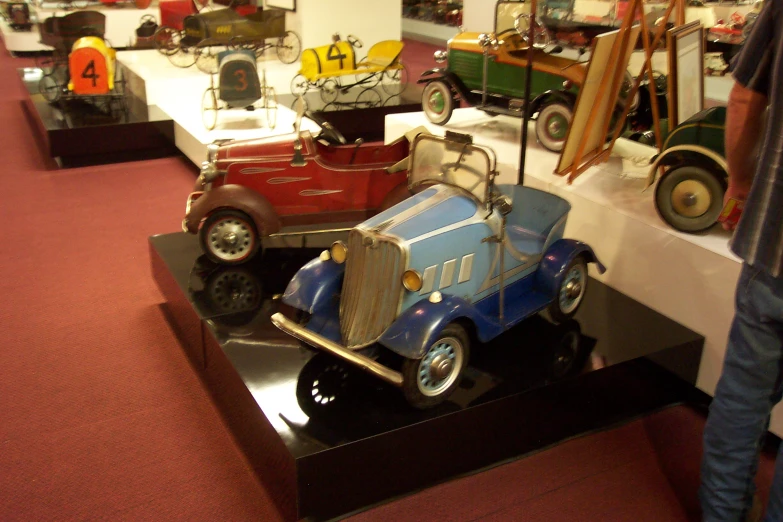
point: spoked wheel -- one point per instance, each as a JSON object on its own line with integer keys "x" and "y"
{"x": 206, "y": 59}
{"x": 288, "y": 48}
{"x": 368, "y": 98}
{"x": 552, "y": 126}
{"x": 430, "y": 380}
{"x": 690, "y": 198}
{"x": 299, "y": 85}
{"x": 437, "y": 101}
{"x": 330, "y": 89}
{"x": 367, "y": 80}
{"x": 395, "y": 79}
{"x": 184, "y": 57}
{"x": 209, "y": 109}
{"x": 229, "y": 237}
{"x": 167, "y": 40}
{"x": 49, "y": 88}
{"x": 571, "y": 291}
{"x": 233, "y": 290}
{"x": 270, "y": 107}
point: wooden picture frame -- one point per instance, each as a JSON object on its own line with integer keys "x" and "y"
{"x": 685, "y": 47}
{"x": 287, "y": 5}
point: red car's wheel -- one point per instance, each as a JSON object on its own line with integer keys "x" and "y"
{"x": 229, "y": 237}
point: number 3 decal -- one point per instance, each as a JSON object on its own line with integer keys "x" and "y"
{"x": 241, "y": 80}
{"x": 89, "y": 73}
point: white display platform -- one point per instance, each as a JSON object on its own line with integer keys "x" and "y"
{"x": 689, "y": 278}
{"x": 121, "y": 24}
{"x": 178, "y": 92}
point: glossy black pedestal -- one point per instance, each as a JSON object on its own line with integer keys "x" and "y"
{"x": 80, "y": 132}
{"x": 326, "y": 439}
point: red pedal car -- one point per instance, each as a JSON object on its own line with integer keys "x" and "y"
{"x": 251, "y": 189}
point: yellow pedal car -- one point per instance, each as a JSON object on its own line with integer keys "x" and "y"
{"x": 328, "y": 67}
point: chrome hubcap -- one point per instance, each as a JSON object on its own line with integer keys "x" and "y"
{"x": 440, "y": 367}
{"x": 231, "y": 239}
{"x": 691, "y": 198}
{"x": 573, "y": 289}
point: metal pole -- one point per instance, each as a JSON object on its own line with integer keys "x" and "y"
{"x": 528, "y": 80}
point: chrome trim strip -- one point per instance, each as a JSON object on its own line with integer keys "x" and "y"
{"x": 281, "y": 180}
{"x": 428, "y": 280}
{"x": 317, "y": 341}
{"x": 465, "y": 268}
{"x": 447, "y": 276}
{"x": 309, "y": 232}
{"x": 442, "y": 193}
{"x": 316, "y": 192}
{"x": 490, "y": 282}
{"x": 259, "y": 170}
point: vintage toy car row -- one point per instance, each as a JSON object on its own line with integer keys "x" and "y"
{"x": 462, "y": 259}
{"x": 226, "y": 27}
{"x": 248, "y": 190}
{"x": 238, "y": 87}
{"x": 326, "y": 67}
{"x": 488, "y": 71}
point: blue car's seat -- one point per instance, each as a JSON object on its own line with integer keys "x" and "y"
{"x": 536, "y": 218}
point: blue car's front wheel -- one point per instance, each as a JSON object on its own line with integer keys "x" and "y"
{"x": 430, "y": 380}
{"x": 571, "y": 291}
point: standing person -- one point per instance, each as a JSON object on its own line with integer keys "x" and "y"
{"x": 752, "y": 379}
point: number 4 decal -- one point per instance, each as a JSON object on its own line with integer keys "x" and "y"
{"x": 89, "y": 73}
{"x": 334, "y": 54}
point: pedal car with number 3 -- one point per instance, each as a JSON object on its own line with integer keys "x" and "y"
{"x": 333, "y": 69}
{"x": 692, "y": 172}
{"x": 462, "y": 260}
{"x": 272, "y": 187}
{"x": 238, "y": 88}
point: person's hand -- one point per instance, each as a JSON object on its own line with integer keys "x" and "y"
{"x": 738, "y": 191}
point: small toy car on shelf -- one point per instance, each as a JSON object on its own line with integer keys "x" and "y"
{"x": 226, "y": 27}
{"x": 693, "y": 172}
{"x": 462, "y": 259}
{"x": 239, "y": 88}
{"x": 253, "y": 189}
{"x": 488, "y": 71}
{"x": 325, "y": 68}
{"x": 83, "y": 65}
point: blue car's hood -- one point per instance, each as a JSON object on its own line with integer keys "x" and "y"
{"x": 434, "y": 209}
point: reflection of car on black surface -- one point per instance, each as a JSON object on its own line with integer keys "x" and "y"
{"x": 266, "y": 187}
{"x": 463, "y": 260}
{"x": 344, "y": 403}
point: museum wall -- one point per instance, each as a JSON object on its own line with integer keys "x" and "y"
{"x": 369, "y": 20}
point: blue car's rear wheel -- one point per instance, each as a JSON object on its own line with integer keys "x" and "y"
{"x": 571, "y": 291}
{"x": 432, "y": 379}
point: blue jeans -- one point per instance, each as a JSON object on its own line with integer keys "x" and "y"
{"x": 749, "y": 387}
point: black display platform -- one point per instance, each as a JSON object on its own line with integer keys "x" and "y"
{"x": 326, "y": 439}
{"x": 77, "y": 132}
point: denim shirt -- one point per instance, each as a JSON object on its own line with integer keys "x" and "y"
{"x": 759, "y": 66}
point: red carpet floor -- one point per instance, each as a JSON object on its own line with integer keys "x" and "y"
{"x": 102, "y": 418}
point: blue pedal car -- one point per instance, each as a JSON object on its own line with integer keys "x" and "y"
{"x": 463, "y": 259}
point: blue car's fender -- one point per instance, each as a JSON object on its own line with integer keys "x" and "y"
{"x": 556, "y": 259}
{"x": 416, "y": 328}
{"x": 314, "y": 285}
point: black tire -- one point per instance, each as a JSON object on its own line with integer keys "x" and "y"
{"x": 221, "y": 247}
{"x": 552, "y": 125}
{"x": 323, "y": 385}
{"x": 690, "y": 198}
{"x": 438, "y": 102}
{"x": 570, "y": 292}
{"x": 450, "y": 351}
{"x": 233, "y": 290}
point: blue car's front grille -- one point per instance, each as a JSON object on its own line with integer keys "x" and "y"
{"x": 371, "y": 288}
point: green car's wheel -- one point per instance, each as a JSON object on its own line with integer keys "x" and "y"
{"x": 571, "y": 291}
{"x": 552, "y": 126}
{"x": 430, "y": 380}
{"x": 438, "y": 102}
{"x": 690, "y": 198}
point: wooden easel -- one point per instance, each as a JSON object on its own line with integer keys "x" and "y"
{"x": 586, "y": 158}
